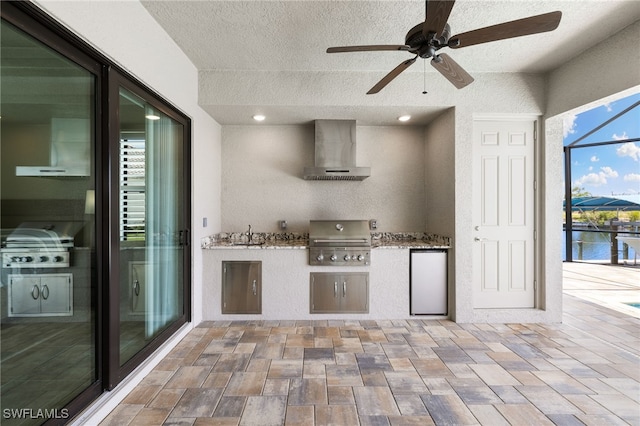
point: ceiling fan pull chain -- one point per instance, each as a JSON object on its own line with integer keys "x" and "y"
{"x": 424, "y": 63}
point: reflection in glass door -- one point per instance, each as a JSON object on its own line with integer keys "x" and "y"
{"x": 48, "y": 287}
{"x": 151, "y": 222}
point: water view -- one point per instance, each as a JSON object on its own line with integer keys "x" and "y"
{"x": 595, "y": 246}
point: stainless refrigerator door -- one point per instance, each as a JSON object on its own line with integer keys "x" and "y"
{"x": 428, "y": 282}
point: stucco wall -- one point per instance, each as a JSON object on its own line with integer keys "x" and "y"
{"x": 440, "y": 187}
{"x": 262, "y": 179}
{"x": 124, "y": 32}
{"x": 609, "y": 68}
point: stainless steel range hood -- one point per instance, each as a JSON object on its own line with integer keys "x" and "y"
{"x": 335, "y": 152}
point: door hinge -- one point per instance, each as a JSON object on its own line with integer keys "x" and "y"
{"x": 535, "y": 131}
{"x": 535, "y": 285}
{"x": 535, "y": 235}
{"x": 535, "y": 185}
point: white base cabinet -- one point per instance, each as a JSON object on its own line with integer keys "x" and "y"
{"x": 40, "y": 295}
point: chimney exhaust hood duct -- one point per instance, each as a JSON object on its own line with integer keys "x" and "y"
{"x": 335, "y": 152}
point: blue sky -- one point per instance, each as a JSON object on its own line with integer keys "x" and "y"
{"x": 610, "y": 170}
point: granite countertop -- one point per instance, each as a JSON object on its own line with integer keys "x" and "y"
{"x": 293, "y": 240}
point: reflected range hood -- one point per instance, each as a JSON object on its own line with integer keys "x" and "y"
{"x": 69, "y": 150}
{"x": 335, "y": 152}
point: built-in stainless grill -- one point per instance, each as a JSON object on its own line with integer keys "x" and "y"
{"x": 39, "y": 245}
{"x": 339, "y": 242}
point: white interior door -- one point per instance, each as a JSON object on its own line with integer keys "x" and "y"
{"x": 503, "y": 213}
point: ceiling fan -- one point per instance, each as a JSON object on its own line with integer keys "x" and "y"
{"x": 426, "y": 38}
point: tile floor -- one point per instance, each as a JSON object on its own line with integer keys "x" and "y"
{"x": 409, "y": 372}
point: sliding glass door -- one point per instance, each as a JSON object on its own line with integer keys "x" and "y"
{"x": 48, "y": 288}
{"x": 151, "y": 228}
{"x": 152, "y": 234}
{"x": 94, "y": 216}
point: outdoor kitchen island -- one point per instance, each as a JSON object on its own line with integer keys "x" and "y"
{"x": 285, "y": 274}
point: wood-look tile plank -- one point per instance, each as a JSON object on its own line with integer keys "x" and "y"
{"x": 150, "y": 416}
{"x": 230, "y": 406}
{"x": 448, "y": 409}
{"x": 307, "y": 392}
{"x": 343, "y": 375}
{"x": 402, "y": 383}
{"x": 375, "y": 401}
{"x": 188, "y": 377}
{"x": 166, "y": 398}
{"x": 327, "y": 415}
{"x": 494, "y": 375}
{"x": 197, "y": 403}
{"x": 523, "y": 414}
{"x": 301, "y": 415}
{"x": 488, "y": 415}
{"x": 411, "y": 405}
{"x": 340, "y": 395}
{"x": 264, "y": 411}
{"x": 245, "y": 384}
{"x": 276, "y": 387}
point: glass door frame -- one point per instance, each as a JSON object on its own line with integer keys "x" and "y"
{"x": 114, "y": 373}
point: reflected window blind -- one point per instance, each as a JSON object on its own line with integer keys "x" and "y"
{"x": 132, "y": 190}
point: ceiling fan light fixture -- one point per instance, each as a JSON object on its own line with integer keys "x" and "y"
{"x": 259, "y": 117}
{"x": 404, "y": 118}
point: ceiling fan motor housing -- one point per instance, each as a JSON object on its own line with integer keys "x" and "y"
{"x": 426, "y": 47}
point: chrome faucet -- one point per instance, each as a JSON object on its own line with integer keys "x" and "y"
{"x": 250, "y": 234}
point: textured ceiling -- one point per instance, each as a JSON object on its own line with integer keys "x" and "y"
{"x": 265, "y": 50}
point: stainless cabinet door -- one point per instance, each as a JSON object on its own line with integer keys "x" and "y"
{"x": 24, "y": 295}
{"x": 56, "y": 294}
{"x": 241, "y": 287}
{"x": 355, "y": 292}
{"x": 346, "y": 292}
{"x": 325, "y": 297}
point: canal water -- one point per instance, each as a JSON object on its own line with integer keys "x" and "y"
{"x": 595, "y": 246}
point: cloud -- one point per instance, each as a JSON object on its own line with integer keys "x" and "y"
{"x": 632, "y": 177}
{"x": 597, "y": 179}
{"x": 621, "y": 137}
{"x": 629, "y": 149}
{"x": 569, "y": 125}
{"x": 594, "y": 159}
{"x": 609, "y": 172}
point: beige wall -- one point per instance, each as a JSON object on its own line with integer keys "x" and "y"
{"x": 262, "y": 179}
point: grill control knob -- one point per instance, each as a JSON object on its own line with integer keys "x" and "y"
{"x": 333, "y": 257}
{"x": 57, "y": 259}
{"x": 347, "y": 257}
{"x": 43, "y": 258}
{"x": 360, "y": 257}
{"x": 320, "y": 258}
{"x": 26, "y": 259}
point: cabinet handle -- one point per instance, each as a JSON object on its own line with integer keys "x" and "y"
{"x": 344, "y": 289}
{"x": 254, "y": 288}
{"x": 136, "y": 287}
{"x": 45, "y": 292}
{"x": 335, "y": 289}
{"x": 35, "y": 292}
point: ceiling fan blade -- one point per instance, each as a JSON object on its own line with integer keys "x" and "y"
{"x": 451, "y": 70}
{"x": 521, "y": 27}
{"x": 375, "y": 47}
{"x": 438, "y": 12}
{"x": 393, "y": 74}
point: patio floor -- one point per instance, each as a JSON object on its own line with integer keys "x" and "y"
{"x": 408, "y": 372}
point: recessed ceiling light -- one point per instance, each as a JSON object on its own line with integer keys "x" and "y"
{"x": 404, "y": 118}
{"x": 152, "y": 117}
{"x": 259, "y": 117}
